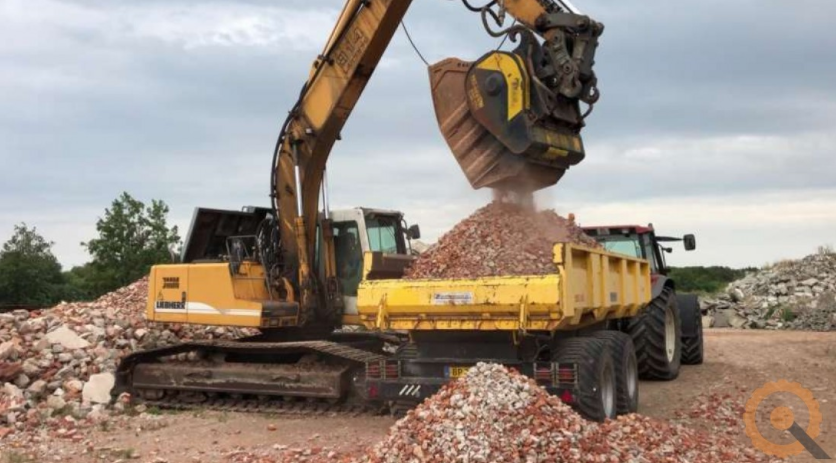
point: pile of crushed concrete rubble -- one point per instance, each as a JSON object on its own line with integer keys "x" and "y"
{"x": 499, "y": 239}
{"x": 60, "y": 361}
{"x": 794, "y": 294}
{"x": 497, "y": 415}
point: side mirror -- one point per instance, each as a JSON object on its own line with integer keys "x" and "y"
{"x": 690, "y": 242}
{"x": 413, "y": 232}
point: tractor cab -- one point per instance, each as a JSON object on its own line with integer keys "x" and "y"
{"x": 639, "y": 241}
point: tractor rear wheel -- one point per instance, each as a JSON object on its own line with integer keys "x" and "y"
{"x": 657, "y": 337}
{"x": 596, "y": 396}
{"x": 692, "y": 339}
{"x": 626, "y": 369}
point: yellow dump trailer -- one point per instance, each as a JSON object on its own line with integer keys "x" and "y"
{"x": 587, "y": 286}
{"x": 561, "y": 329}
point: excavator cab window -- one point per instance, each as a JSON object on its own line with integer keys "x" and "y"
{"x": 385, "y": 234}
{"x": 349, "y": 256}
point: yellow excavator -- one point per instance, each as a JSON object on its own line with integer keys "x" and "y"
{"x": 512, "y": 119}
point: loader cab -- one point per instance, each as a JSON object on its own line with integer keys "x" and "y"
{"x": 639, "y": 241}
{"x": 358, "y": 231}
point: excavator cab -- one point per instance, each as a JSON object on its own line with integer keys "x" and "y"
{"x": 359, "y": 231}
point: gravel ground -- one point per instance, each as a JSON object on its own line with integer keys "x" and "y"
{"x": 708, "y": 397}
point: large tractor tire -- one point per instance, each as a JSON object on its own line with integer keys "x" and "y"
{"x": 692, "y": 344}
{"x": 657, "y": 337}
{"x": 626, "y": 369}
{"x": 596, "y": 397}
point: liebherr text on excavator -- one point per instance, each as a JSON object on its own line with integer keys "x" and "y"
{"x": 511, "y": 118}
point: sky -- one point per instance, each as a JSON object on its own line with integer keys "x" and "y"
{"x": 716, "y": 118}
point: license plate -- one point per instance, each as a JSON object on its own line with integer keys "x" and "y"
{"x": 456, "y": 372}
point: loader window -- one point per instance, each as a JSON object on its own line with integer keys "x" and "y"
{"x": 349, "y": 256}
{"x": 384, "y": 235}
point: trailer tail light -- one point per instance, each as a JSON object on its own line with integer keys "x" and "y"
{"x": 390, "y": 369}
{"x": 567, "y": 375}
{"x": 373, "y": 370}
{"x": 373, "y": 391}
{"x": 543, "y": 373}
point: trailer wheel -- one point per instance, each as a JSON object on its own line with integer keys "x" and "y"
{"x": 657, "y": 337}
{"x": 595, "y": 396}
{"x": 692, "y": 339}
{"x": 626, "y": 369}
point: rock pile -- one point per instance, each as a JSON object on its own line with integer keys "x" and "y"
{"x": 798, "y": 294}
{"x": 499, "y": 239}
{"x": 497, "y": 415}
{"x": 492, "y": 415}
{"x": 60, "y": 361}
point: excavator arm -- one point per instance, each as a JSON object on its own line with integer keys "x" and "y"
{"x": 337, "y": 80}
{"x": 516, "y": 136}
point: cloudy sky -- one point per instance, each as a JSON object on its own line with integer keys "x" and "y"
{"x": 716, "y": 117}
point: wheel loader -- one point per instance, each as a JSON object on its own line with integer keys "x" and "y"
{"x": 512, "y": 120}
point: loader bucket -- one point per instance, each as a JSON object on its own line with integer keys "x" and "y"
{"x": 485, "y": 161}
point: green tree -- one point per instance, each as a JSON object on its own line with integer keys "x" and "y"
{"x": 29, "y": 272}
{"x": 132, "y": 238}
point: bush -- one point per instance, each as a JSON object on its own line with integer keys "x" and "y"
{"x": 705, "y": 279}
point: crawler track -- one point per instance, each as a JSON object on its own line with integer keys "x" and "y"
{"x": 270, "y": 406}
{"x": 202, "y": 383}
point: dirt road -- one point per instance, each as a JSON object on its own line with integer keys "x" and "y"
{"x": 737, "y": 363}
